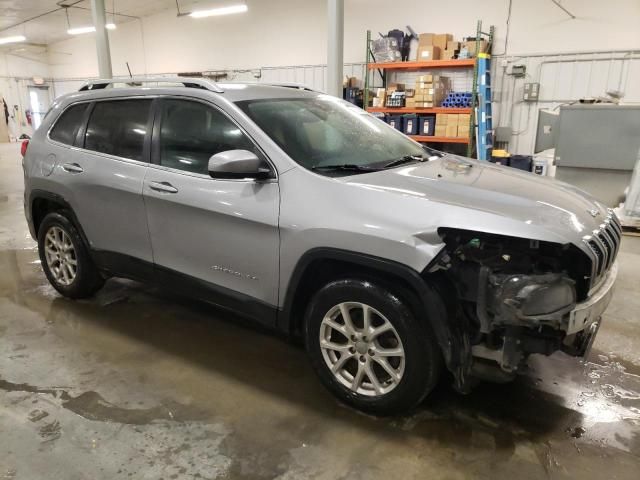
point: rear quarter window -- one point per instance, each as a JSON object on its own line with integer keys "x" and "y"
{"x": 67, "y": 126}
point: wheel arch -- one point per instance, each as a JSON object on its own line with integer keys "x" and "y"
{"x": 319, "y": 266}
{"x": 41, "y": 203}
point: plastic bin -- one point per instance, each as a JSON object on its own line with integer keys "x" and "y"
{"x": 410, "y": 124}
{"x": 521, "y": 162}
{"x": 427, "y": 125}
{"x": 395, "y": 121}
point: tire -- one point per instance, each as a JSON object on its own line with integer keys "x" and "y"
{"x": 65, "y": 258}
{"x": 414, "y": 375}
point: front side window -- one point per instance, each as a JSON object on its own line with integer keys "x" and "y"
{"x": 118, "y": 127}
{"x": 191, "y": 132}
{"x": 68, "y": 125}
{"x": 323, "y": 131}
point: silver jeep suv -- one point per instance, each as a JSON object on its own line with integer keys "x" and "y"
{"x": 392, "y": 261}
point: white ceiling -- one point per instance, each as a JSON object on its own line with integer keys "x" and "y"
{"x": 52, "y": 27}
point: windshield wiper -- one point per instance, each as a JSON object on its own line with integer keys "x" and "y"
{"x": 403, "y": 160}
{"x": 347, "y": 167}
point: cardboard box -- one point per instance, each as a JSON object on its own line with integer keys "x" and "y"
{"x": 452, "y": 118}
{"x": 410, "y": 102}
{"x": 426, "y": 90}
{"x": 428, "y": 53}
{"x": 409, "y": 92}
{"x": 350, "y": 82}
{"x": 395, "y": 87}
{"x": 471, "y": 46}
{"x": 424, "y": 104}
{"x": 453, "y": 45}
{"x": 441, "y": 39}
{"x": 451, "y": 131}
{"x": 441, "y": 130}
{"x": 464, "y": 119}
{"x": 425, "y": 39}
{"x": 463, "y": 131}
{"x": 441, "y": 119}
{"x": 428, "y": 78}
{"x": 449, "y": 54}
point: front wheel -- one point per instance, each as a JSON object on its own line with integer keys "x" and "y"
{"x": 369, "y": 349}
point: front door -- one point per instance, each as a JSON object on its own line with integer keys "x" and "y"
{"x": 221, "y": 233}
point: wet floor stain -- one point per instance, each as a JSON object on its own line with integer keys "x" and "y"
{"x": 92, "y": 406}
{"x": 50, "y": 431}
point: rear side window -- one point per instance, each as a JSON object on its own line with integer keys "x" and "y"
{"x": 67, "y": 126}
{"x": 118, "y": 128}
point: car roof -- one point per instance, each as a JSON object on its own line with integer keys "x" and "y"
{"x": 233, "y": 92}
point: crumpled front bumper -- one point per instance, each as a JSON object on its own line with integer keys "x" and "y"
{"x": 572, "y": 331}
{"x": 584, "y": 320}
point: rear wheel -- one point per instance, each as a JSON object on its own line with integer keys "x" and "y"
{"x": 369, "y": 349}
{"x": 65, "y": 258}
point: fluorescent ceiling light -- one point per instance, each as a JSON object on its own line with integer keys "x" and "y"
{"x": 81, "y": 30}
{"x": 14, "y": 39}
{"x": 214, "y": 12}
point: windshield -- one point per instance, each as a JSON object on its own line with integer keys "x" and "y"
{"x": 323, "y": 132}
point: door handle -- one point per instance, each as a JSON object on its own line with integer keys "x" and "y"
{"x": 72, "y": 168}
{"x": 164, "y": 187}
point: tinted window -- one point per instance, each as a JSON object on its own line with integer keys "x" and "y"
{"x": 190, "y": 132}
{"x": 118, "y": 128}
{"x": 67, "y": 126}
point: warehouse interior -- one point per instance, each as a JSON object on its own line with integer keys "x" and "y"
{"x": 143, "y": 380}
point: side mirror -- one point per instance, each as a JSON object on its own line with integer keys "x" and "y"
{"x": 238, "y": 164}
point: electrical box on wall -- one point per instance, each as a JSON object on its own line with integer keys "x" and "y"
{"x": 531, "y": 92}
{"x": 518, "y": 71}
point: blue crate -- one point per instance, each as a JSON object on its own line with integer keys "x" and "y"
{"x": 427, "y": 125}
{"x": 395, "y": 121}
{"x": 410, "y": 124}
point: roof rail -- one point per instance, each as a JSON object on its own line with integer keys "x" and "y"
{"x": 299, "y": 86}
{"x": 188, "y": 82}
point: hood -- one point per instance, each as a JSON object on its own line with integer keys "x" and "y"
{"x": 563, "y": 210}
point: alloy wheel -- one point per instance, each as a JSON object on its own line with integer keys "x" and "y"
{"x": 362, "y": 349}
{"x": 60, "y": 255}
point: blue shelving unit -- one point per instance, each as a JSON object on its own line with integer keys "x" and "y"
{"x": 484, "y": 136}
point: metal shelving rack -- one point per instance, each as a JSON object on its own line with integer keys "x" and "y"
{"x": 384, "y": 68}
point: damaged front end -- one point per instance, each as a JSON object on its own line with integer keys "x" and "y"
{"x": 516, "y": 297}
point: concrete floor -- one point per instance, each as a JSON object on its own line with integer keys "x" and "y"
{"x": 137, "y": 384}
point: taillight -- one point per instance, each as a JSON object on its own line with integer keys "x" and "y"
{"x": 23, "y": 147}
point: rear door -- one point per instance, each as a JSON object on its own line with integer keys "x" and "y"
{"x": 104, "y": 174}
{"x": 222, "y": 233}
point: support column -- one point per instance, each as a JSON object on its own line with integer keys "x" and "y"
{"x": 335, "y": 47}
{"x": 102, "y": 39}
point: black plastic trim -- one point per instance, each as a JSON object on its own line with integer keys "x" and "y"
{"x": 121, "y": 265}
{"x": 53, "y": 197}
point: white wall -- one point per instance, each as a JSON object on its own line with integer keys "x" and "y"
{"x": 293, "y": 32}
{"x": 15, "y": 75}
